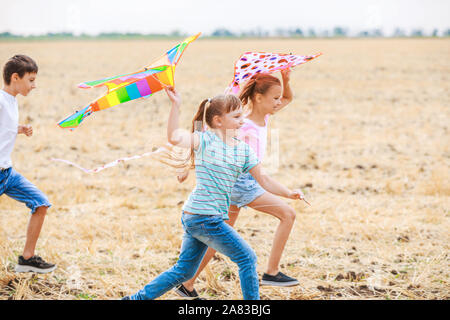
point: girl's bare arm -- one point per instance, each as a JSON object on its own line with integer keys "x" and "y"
{"x": 175, "y": 135}
{"x": 287, "y": 91}
{"x": 271, "y": 185}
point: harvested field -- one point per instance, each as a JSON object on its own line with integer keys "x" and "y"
{"x": 366, "y": 137}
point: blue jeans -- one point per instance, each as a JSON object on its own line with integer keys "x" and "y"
{"x": 201, "y": 232}
{"x": 19, "y": 188}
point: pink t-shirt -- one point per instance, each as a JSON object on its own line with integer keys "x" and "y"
{"x": 255, "y": 136}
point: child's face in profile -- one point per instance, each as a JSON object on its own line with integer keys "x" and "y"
{"x": 25, "y": 84}
{"x": 232, "y": 121}
{"x": 271, "y": 100}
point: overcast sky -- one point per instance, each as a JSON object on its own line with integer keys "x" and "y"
{"x": 163, "y": 16}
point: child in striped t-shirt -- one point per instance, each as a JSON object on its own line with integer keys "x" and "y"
{"x": 217, "y": 167}
{"x": 219, "y": 158}
{"x": 263, "y": 95}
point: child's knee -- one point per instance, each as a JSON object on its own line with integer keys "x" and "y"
{"x": 289, "y": 215}
{"x": 246, "y": 258}
{"x": 251, "y": 257}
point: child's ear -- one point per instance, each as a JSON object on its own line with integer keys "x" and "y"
{"x": 15, "y": 76}
{"x": 258, "y": 97}
{"x": 217, "y": 121}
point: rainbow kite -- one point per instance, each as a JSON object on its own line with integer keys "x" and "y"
{"x": 251, "y": 63}
{"x": 126, "y": 87}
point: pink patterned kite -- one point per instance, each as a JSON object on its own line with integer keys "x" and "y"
{"x": 251, "y": 63}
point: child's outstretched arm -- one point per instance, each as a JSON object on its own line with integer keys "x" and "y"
{"x": 271, "y": 185}
{"x": 287, "y": 91}
{"x": 175, "y": 135}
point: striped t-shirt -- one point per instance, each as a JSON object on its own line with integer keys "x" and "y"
{"x": 217, "y": 167}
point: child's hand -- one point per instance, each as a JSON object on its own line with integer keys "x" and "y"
{"x": 25, "y": 129}
{"x": 297, "y": 194}
{"x": 182, "y": 176}
{"x": 286, "y": 74}
{"x": 173, "y": 95}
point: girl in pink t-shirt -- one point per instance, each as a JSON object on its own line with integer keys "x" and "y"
{"x": 264, "y": 95}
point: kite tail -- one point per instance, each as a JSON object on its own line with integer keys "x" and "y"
{"x": 72, "y": 164}
{"x": 170, "y": 155}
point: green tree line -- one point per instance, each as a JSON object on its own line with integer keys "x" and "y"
{"x": 336, "y": 32}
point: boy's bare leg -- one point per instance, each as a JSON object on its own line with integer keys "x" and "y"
{"x": 232, "y": 214}
{"x": 33, "y": 231}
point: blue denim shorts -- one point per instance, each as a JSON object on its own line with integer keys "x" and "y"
{"x": 16, "y": 186}
{"x": 245, "y": 190}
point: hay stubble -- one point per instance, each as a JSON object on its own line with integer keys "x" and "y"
{"x": 367, "y": 137}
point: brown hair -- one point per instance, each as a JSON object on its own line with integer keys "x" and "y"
{"x": 208, "y": 109}
{"x": 216, "y": 106}
{"x": 259, "y": 83}
{"x": 19, "y": 64}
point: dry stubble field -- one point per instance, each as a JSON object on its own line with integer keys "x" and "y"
{"x": 366, "y": 137}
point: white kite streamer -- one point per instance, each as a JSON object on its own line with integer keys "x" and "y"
{"x": 163, "y": 151}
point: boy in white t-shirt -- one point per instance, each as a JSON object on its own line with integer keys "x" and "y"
{"x": 19, "y": 75}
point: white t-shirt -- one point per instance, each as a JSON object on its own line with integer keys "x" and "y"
{"x": 9, "y": 123}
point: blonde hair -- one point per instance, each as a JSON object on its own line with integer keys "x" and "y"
{"x": 182, "y": 159}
